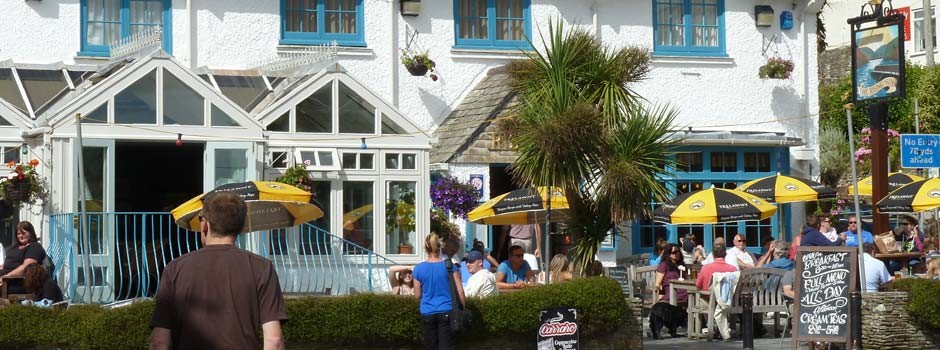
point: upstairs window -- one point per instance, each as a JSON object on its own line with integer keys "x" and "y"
{"x": 689, "y": 27}
{"x": 106, "y": 21}
{"x": 306, "y": 22}
{"x": 492, "y": 24}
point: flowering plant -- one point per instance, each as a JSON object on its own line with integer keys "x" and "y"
{"x": 454, "y": 197}
{"x": 863, "y": 151}
{"x": 297, "y": 176}
{"x": 418, "y": 64}
{"x": 23, "y": 184}
{"x": 776, "y": 68}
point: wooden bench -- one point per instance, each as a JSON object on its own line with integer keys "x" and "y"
{"x": 764, "y": 284}
{"x": 643, "y": 279}
{"x": 12, "y": 297}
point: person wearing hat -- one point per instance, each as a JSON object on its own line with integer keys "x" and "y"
{"x": 483, "y": 282}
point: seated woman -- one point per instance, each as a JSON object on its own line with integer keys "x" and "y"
{"x": 933, "y": 269}
{"x": 24, "y": 252}
{"x": 401, "y": 280}
{"x": 559, "y": 270}
{"x": 669, "y": 270}
{"x": 39, "y": 284}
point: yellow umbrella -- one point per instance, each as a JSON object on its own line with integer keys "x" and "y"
{"x": 712, "y": 206}
{"x": 913, "y": 197}
{"x": 522, "y": 206}
{"x": 895, "y": 181}
{"x": 354, "y": 215}
{"x": 271, "y": 205}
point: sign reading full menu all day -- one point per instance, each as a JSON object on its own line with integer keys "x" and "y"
{"x": 824, "y": 278}
{"x": 920, "y": 151}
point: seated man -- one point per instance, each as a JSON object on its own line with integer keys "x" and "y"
{"x": 483, "y": 283}
{"x": 738, "y": 255}
{"x": 850, "y": 236}
{"x": 703, "y": 282}
{"x": 778, "y": 256}
{"x": 513, "y": 273}
{"x": 876, "y": 274}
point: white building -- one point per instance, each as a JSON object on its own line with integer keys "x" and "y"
{"x": 361, "y": 118}
{"x": 839, "y": 33}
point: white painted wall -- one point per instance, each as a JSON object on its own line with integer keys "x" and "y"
{"x": 462, "y": 172}
{"x": 839, "y": 33}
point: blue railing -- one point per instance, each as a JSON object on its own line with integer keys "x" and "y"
{"x": 128, "y": 251}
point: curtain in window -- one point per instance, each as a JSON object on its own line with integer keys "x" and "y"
{"x": 104, "y": 21}
{"x": 145, "y": 15}
{"x": 340, "y": 16}
{"x": 510, "y": 23}
{"x": 705, "y": 23}
{"x": 669, "y": 16}
{"x": 301, "y": 15}
{"x": 472, "y": 19}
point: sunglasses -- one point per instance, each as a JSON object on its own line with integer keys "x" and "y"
{"x": 739, "y": 240}
{"x": 518, "y": 255}
{"x": 905, "y": 224}
{"x": 852, "y": 222}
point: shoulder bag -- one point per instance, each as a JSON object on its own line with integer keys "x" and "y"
{"x": 460, "y": 318}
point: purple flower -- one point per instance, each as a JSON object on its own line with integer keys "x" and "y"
{"x": 454, "y": 196}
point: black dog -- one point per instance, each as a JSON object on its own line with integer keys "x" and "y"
{"x": 670, "y": 316}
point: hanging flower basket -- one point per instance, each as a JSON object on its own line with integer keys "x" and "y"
{"x": 417, "y": 69}
{"x": 16, "y": 192}
{"x": 776, "y": 68}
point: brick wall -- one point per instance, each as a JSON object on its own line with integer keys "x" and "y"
{"x": 887, "y": 326}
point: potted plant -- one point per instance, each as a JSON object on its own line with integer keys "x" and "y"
{"x": 297, "y": 176}
{"x": 776, "y": 68}
{"x": 400, "y": 218}
{"x": 454, "y": 197}
{"x": 418, "y": 64}
{"x": 22, "y": 185}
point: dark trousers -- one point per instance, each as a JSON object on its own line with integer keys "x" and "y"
{"x": 435, "y": 329}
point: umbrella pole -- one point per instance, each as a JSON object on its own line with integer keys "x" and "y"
{"x": 83, "y": 219}
{"x": 858, "y": 212}
{"x": 548, "y": 238}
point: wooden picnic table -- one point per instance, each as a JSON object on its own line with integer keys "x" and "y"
{"x": 695, "y": 306}
{"x": 904, "y": 258}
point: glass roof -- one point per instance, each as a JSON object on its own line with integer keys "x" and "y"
{"x": 246, "y": 91}
{"x": 42, "y": 86}
{"x": 9, "y": 91}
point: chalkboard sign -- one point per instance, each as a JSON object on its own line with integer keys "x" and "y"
{"x": 622, "y": 276}
{"x": 558, "y": 329}
{"x": 824, "y": 278}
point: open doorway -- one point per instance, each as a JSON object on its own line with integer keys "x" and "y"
{"x": 500, "y": 182}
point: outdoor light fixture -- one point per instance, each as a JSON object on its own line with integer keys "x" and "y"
{"x": 179, "y": 140}
{"x": 764, "y": 15}
{"x": 23, "y": 149}
{"x": 363, "y": 143}
{"x": 410, "y": 7}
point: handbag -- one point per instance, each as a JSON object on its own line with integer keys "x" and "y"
{"x": 460, "y": 318}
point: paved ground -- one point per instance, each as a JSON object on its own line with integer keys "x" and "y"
{"x": 684, "y": 343}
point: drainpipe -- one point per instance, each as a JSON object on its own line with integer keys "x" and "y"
{"x": 394, "y": 47}
{"x": 192, "y": 34}
{"x": 596, "y": 21}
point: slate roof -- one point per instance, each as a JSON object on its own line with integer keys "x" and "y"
{"x": 486, "y": 101}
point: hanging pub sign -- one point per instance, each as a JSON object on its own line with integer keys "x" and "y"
{"x": 558, "y": 329}
{"x": 824, "y": 277}
{"x": 878, "y": 62}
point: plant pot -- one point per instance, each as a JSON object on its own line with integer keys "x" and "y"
{"x": 405, "y": 249}
{"x": 16, "y": 192}
{"x": 417, "y": 69}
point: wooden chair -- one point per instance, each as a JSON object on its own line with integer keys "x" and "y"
{"x": 644, "y": 280}
{"x": 5, "y": 283}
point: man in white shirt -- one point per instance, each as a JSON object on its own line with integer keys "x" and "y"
{"x": 876, "y": 273}
{"x": 483, "y": 282}
{"x": 736, "y": 256}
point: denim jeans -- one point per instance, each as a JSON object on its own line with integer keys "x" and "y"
{"x": 435, "y": 329}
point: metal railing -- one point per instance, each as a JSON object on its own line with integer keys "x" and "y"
{"x": 129, "y": 250}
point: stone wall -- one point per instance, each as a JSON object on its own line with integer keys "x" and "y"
{"x": 835, "y": 64}
{"x": 886, "y": 325}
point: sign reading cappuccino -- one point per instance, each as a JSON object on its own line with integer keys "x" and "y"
{"x": 558, "y": 329}
{"x": 824, "y": 278}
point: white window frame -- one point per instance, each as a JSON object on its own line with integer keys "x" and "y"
{"x": 274, "y": 163}
{"x": 314, "y": 164}
{"x": 400, "y": 158}
{"x": 358, "y": 165}
{"x": 917, "y": 32}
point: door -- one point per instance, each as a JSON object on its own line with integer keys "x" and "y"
{"x": 95, "y": 250}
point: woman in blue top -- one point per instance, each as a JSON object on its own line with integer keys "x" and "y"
{"x": 432, "y": 286}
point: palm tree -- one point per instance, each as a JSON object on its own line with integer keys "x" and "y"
{"x": 580, "y": 127}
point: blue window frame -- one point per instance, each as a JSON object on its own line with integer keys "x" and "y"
{"x": 492, "y": 24}
{"x": 106, "y": 21}
{"x": 724, "y": 167}
{"x": 689, "y": 27}
{"x": 311, "y": 22}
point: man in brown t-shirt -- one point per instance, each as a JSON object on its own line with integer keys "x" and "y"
{"x": 216, "y": 297}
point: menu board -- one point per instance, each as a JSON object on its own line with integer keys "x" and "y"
{"x": 558, "y": 329}
{"x": 621, "y": 275}
{"x": 825, "y": 276}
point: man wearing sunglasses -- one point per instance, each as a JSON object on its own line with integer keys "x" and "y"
{"x": 850, "y": 236}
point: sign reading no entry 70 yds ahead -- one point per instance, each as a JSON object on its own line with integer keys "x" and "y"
{"x": 920, "y": 151}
